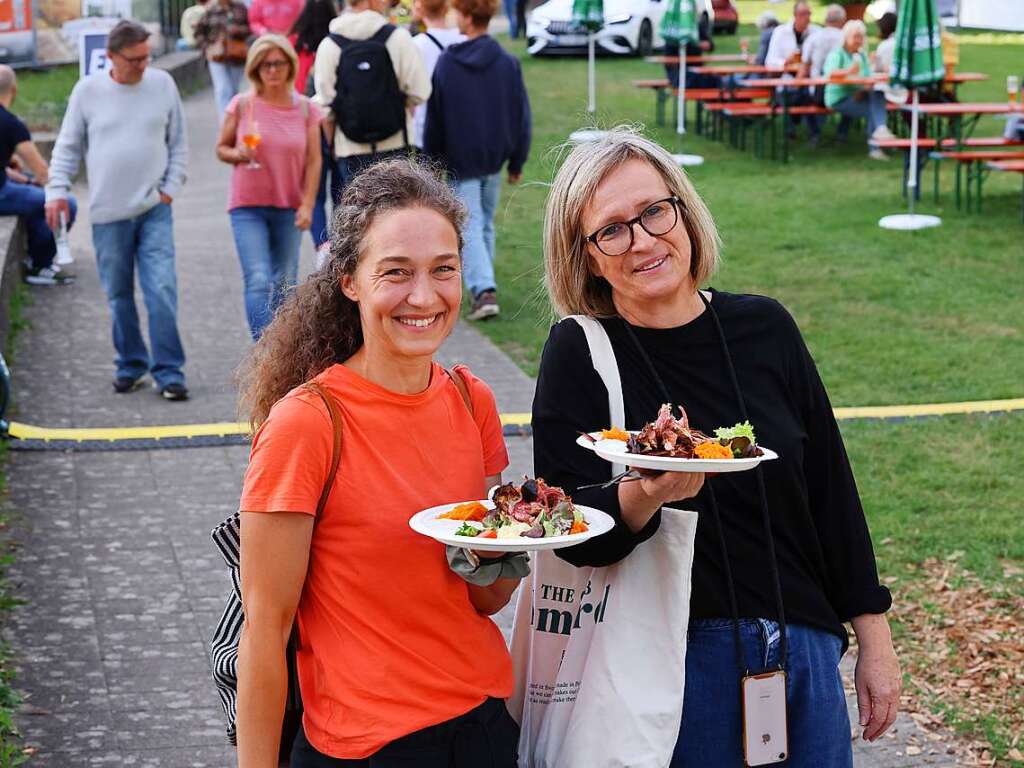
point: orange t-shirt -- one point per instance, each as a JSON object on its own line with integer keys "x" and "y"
{"x": 390, "y": 643}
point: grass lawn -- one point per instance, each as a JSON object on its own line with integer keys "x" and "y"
{"x": 891, "y": 318}
{"x": 43, "y": 95}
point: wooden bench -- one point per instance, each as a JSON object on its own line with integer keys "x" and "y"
{"x": 927, "y": 144}
{"x": 1008, "y": 166}
{"x": 974, "y": 162}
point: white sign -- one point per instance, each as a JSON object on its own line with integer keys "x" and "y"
{"x": 992, "y": 14}
{"x": 92, "y": 53}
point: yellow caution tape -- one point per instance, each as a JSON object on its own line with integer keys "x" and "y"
{"x": 29, "y": 432}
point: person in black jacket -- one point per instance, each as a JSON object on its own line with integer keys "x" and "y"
{"x": 478, "y": 119}
{"x": 629, "y": 242}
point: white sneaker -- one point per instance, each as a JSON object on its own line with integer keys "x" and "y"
{"x": 877, "y": 154}
{"x": 882, "y": 133}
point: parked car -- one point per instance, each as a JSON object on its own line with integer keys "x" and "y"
{"x": 630, "y": 27}
{"x": 727, "y": 18}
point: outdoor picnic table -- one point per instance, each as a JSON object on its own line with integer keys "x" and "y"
{"x": 964, "y": 116}
{"x": 701, "y": 59}
{"x": 1009, "y": 166}
{"x": 804, "y": 82}
{"x": 743, "y": 69}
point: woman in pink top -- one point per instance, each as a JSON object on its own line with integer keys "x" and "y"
{"x": 272, "y": 137}
{"x": 273, "y": 16}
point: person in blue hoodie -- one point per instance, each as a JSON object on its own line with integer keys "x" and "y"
{"x": 478, "y": 119}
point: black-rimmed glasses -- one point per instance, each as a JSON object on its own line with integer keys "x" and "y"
{"x": 658, "y": 218}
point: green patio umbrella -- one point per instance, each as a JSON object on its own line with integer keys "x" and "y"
{"x": 679, "y": 25}
{"x": 916, "y": 63}
{"x": 589, "y": 14}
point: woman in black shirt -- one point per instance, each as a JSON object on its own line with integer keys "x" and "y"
{"x": 673, "y": 343}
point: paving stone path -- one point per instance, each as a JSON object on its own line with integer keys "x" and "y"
{"x": 121, "y": 583}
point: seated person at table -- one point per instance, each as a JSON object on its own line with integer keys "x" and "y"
{"x": 849, "y": 60}
{"x": 815, "y": 50}
{"x": 784, "y": 50}
{"x": 766, "y": 23}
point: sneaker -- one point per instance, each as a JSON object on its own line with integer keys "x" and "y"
{"x": 877, "y": 154}
{"x": 52, "y": 275}
{"x": 125, "y": 384}
{"x": 882, "y": 133}
{"x": 176, "y": 391}
{"x": 484, "y": 306}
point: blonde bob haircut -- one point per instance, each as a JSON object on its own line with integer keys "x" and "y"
{"x": 572, "y": 287}
{"x": 258, "y": 51}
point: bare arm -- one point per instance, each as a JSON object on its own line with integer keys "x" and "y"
{"x": 639, "y": 500}
{"x": 491, "y": 599}
{"x": 29, "y": 154}
{"x": 877, "y": 675}
{"x": 269, "y": 599}
{"x": 311, "y": 179}
{"x": 227, "y": 152}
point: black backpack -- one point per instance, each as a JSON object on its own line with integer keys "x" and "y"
{"x": 368, "y": 105}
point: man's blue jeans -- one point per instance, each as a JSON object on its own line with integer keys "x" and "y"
{"x": 268, "y": 245}
{"x": 712, "y": 727}
{"x": 227, "y": 81}
{"x": 480, "y": 196}
{"x": 145, "y": 242}
{"x": 29, "y": 202}
{"x": 330, "y": 180}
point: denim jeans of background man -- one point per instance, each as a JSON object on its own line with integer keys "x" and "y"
{"x": 144, "y": 243}
{"x": 29, "y": 201}
{"x": 268, "y": 245}
{"x": 480, "y": 196}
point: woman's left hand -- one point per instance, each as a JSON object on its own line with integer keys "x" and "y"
{"x": 877, "y": 677}
{"x": 303, "y": 217}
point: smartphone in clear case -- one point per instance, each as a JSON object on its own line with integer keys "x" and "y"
{"x": 765, "y": 733}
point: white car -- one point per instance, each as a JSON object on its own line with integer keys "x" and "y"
{"x": 630, "y": 27}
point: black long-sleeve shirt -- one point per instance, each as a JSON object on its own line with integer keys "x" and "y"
{"x": 826, "y": 562}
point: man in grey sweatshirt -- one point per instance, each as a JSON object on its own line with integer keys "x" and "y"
{"x": 129, "y": 126}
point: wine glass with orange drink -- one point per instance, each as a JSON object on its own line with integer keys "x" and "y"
{"x": 251, "y": 139}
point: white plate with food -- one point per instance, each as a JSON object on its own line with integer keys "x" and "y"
{"x": 524, "y": 518}
{"x": 668, "y": 444}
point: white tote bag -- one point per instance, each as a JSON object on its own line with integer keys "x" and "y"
{"x": 599, "y": 653}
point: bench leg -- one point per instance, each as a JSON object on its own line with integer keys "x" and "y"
{"x": 659, "y": 106}
{"x": 958, "y": 174}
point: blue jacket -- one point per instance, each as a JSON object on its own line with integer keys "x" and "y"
{"x": 478, "y": 116}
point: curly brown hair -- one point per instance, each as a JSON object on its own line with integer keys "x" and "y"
{"x": 318, "y": 325}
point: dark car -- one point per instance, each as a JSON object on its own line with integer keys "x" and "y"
{"x": 727, "y": 18}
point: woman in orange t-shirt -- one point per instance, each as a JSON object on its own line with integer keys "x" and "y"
{"x": 398, "y": 661}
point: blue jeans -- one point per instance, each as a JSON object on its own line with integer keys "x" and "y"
{"x": 513, "y": 22}
{"x": 146, "y": 241}
{"x": 712, "y": 727}
{"x": 872, "y": 107}
{"x": 227, "y": 80}
{"x": 268, "y": 244}
{"x": 29, "y": 202}
{"x": 480, "y": 196}
{"x": 330, "y": 179}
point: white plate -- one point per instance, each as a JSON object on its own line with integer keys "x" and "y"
{"x": 426, "y": 522}
{"x": 615, "y": 452}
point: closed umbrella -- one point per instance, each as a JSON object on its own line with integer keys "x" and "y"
{"x": 679, "y": 27}
{"x": 589, "y": 14}
{"x": 916, "y": 63}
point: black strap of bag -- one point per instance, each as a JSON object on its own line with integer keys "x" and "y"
{"x": 713, "y": 503}
{"x": 435, "y": 41}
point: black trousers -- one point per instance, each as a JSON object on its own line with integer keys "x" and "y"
{"x": 485, "y": 737}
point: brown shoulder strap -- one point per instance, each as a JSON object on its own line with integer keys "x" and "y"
{"x": 460, "y": 384}
{"x": 335, "y": 413}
